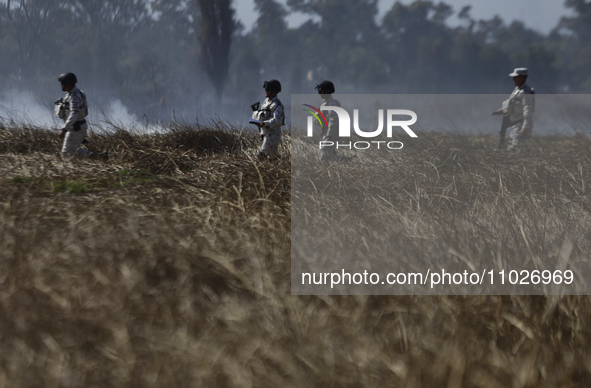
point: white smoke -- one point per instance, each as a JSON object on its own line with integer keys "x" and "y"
{"x": 114, "y": 113}
{"x": 21, "y": 107}
{"x": 24, "y": 108}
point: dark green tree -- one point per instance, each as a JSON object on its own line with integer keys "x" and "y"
{"x": 215, "y": 32}
{"x": 419, "y": 43}
{"x": 269, "y": 32}
{"x": 345, "y": 43}
{"x": 570, "y": 43}
{"x": 30, "y": 23}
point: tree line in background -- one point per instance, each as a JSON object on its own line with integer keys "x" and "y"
{"x": 150, "y": 51}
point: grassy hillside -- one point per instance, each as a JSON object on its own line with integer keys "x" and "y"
{"x": 169, "y": 266}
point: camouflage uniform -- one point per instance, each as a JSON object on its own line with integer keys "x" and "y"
{"x": 520, "y": 109}
{"x": 273, "y": 117}
{"x": 332, "y": 132}
{"x": 72, "y": 108}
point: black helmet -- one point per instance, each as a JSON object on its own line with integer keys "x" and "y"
{"x": 325, "y": 86}
{"x": 272, "y": 85}
{"x": 68, "y": 79}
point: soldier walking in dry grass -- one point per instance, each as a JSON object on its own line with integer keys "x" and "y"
{"x": 325, "y": 90}
{"x": 272, "y": 117}
{"x": 518, "y": 110}
{"x": 73, "y": 109}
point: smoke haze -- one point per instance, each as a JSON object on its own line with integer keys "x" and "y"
{"x": 155, "y": 61}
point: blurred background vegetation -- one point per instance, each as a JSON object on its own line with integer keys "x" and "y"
{"x": 150, "y": 53}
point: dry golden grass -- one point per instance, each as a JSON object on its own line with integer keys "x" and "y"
{"x": 446, "y": 202}
{"x": 169, "y": 266}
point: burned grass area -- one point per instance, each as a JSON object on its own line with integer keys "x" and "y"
{"x": 169, "y": 265}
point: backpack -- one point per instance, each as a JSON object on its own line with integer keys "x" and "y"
{"x": 264, "y": 114}
{"x": 62, "y": 110}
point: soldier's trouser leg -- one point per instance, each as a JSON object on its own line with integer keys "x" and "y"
{"x": 516, "y": 140}
{"x": 73, "y": 141}
{"x": 329, "y": 152}
{"x": 271, "y": 143}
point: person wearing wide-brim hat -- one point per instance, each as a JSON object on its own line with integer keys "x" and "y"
{"x": 519, "y": 109}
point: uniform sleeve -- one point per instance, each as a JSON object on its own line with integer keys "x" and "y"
{"x": 74, "y": 101}
{"x": 277, "y": 119}
{"x": 528, "y": 110}
{"x": 333, "y": 121}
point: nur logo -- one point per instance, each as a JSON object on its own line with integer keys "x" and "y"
{"x": 345, "y": 121}
{"x": 315, "y": 115}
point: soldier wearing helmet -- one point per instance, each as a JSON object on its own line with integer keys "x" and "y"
{"x": 325, "y": 90}
{"x": 271, "y": 115}
{"x": 73, "y": 109}
{"x": 518, "y": 110}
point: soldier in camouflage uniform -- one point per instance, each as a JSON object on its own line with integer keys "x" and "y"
{"x": 519, "y": 109}
{"x": 73, "y": 109}
{"x": 326, "y": 89}
{"x": 271, "y": 115}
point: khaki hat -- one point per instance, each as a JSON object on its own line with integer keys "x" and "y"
{"x": 519, "y": 71}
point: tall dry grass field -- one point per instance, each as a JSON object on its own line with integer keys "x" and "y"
{"x": 169, "y": 266}
{"x": 445, "y": 202}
